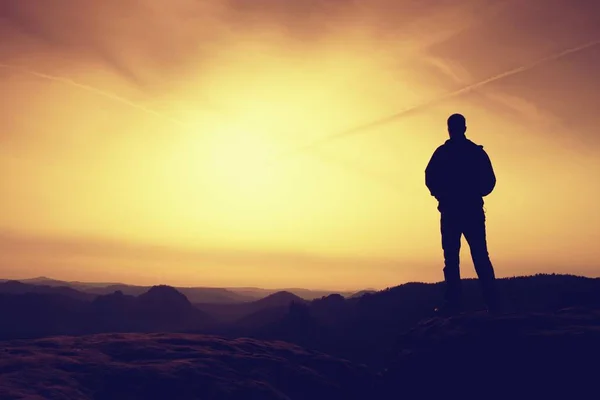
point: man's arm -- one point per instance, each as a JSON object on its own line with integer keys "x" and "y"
{"x": 432, "y": 173}
{"x": 487, "y": 175}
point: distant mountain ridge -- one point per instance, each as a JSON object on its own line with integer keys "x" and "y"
{"x": 34, "y": 314}
{"x": 156, "y": 308}
{"x": 361, "y": 329}
{"x": 39, "y": 310}
{"x": 252, "y": 314}
{"x": 364, "y": 328}
{"x": 307, "y": 294}
{"x": 18, "y": 287}
{"x": 194, "y": 294}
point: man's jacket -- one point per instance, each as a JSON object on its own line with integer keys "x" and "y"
{"x": 459, "y": 175}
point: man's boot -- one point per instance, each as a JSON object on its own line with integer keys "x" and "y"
{"x": 490, "y": 295}
{"x": 452, "y": 298}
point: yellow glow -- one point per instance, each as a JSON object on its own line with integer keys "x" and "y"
{"x": 161, "y": 131}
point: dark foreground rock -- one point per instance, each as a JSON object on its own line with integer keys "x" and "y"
{"x": 472, "y": 356}
{"x": 479, "y": 356}
{"x": 173, "y": 366}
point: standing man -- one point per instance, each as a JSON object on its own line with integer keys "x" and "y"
{"x": 459, "y": 175}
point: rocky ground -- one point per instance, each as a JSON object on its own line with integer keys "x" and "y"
{"x": 474, "y": 355}
{"x": 172, "y": 366}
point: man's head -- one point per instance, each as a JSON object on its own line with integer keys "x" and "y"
{"x": 457, "y": 126}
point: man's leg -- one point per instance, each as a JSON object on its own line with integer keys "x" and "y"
{"x": 475, "y": 233}
{"x": 451, "y": 235}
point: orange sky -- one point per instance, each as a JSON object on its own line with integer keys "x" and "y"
{"x": 134, "y": 135}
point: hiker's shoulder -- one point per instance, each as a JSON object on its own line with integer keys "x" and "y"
{"x": 473, "y": 144}
{"x": 476, "y": 146}
{"x": 440, "y": 149}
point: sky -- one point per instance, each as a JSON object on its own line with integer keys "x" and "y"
{"x": 187, "y": 142}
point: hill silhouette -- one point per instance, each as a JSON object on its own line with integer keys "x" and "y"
{"x": 31, "y": 315}
{"x": 210, "y": 295}
{"x": 306, "y": 294}
{"x": 361, "y": 329}
{"x": 236, "y": 312}
{"x": 17, "y": 287}
{"x": 362, "y": 293}
{"x": 161, "y": 308}
{"x": 364, "y": 329}
{"x": 44, "y": 280}
{"x": 194, "y": 294}
{"x": 92, "y": 289}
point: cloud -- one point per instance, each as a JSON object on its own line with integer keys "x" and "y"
{"x": 148, "y": 41}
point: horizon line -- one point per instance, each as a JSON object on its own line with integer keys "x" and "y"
{"x": 276, "y": 289}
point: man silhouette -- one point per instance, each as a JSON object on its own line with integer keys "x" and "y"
{"x": 459, "y": 175}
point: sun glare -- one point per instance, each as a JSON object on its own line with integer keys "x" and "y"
{"x": 238, "y": 160}
{"x": 225, "y": 160}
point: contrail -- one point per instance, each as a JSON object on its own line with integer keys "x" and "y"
{"x": 373, "y": 176}
{"x": 91, "y": 89}
{"x": 404, "y": 112}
